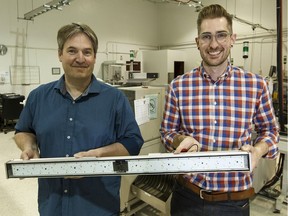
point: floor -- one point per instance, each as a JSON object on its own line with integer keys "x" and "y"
{"x": 19, "y": 197}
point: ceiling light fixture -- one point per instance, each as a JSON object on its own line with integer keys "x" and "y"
{"x": 196, "y": 4}
{"x": 55, "y": 4}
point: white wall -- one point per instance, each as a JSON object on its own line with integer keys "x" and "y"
{"x": 122, "y": 25}
{"x": 178, "y": 31}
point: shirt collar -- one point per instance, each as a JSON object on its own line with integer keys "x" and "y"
{"x": 94, "y": 86}
{"x": 225, "y": 75}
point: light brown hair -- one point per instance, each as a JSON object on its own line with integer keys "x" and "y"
{"x": 211, "y": 12}
{"x": 70, "y": 30}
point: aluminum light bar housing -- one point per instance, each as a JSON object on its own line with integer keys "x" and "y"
{"x": 157, "y": 163}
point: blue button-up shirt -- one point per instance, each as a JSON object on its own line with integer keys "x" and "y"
{"x": 63, "y": 127}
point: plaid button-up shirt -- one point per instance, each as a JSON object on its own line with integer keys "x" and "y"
{"x": 221, "y": 115}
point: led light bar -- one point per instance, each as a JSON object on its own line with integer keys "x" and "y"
{"x": 160, "y": 163}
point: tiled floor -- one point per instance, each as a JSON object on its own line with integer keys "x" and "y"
{"x": 19, "y": 197}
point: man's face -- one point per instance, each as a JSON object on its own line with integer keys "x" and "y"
{"x": 214, "y": 41}
{"x": 78, "y": 57}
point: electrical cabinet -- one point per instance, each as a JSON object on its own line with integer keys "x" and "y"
{"x": 129, "y": 202}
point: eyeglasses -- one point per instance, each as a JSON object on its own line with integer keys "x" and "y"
{"x": 220, "y": 37}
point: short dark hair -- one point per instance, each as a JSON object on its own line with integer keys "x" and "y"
{"x": 214, "y": 11}
{"x": 70, "y": 30}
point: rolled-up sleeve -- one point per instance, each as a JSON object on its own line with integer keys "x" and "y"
{"x": 266, "y": 124}
{"x": 128, "y": 132}
{"x": 171, "y": 119}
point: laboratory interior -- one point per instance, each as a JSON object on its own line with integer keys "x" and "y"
{"x": 143, "y": 46}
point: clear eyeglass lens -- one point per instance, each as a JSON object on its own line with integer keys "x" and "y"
{"x": 219, "y": 36}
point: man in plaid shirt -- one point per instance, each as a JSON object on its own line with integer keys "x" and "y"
{"x": 215, "y": 107}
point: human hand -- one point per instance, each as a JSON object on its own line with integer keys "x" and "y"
{"x": 74, "y": 177}
{"x": 90, "y": 153}
{"x": 255, "y": 154}
{"x": 28, "y": 154}
{"x": 79, "y": 155}
{"x": 188, "y": 144}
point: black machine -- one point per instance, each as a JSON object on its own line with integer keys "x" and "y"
{"x": 11, "y": 107}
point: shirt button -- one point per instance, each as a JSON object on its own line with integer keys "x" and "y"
{"x": 67, "y": 155}
{"x": 215, "y": 103}
{"x": 68, "y": 137}
{"x": 215, "y": 122}
{"x": 70, "y": 119}
{"x": 214, "y": 141}
{"x": 73, "y": 102}
{"x": 65, "y": 191}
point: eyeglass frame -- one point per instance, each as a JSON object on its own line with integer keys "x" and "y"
{"x": 213, "y": 35}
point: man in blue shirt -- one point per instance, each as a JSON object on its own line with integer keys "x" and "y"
{"x": 81, "y": 117}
